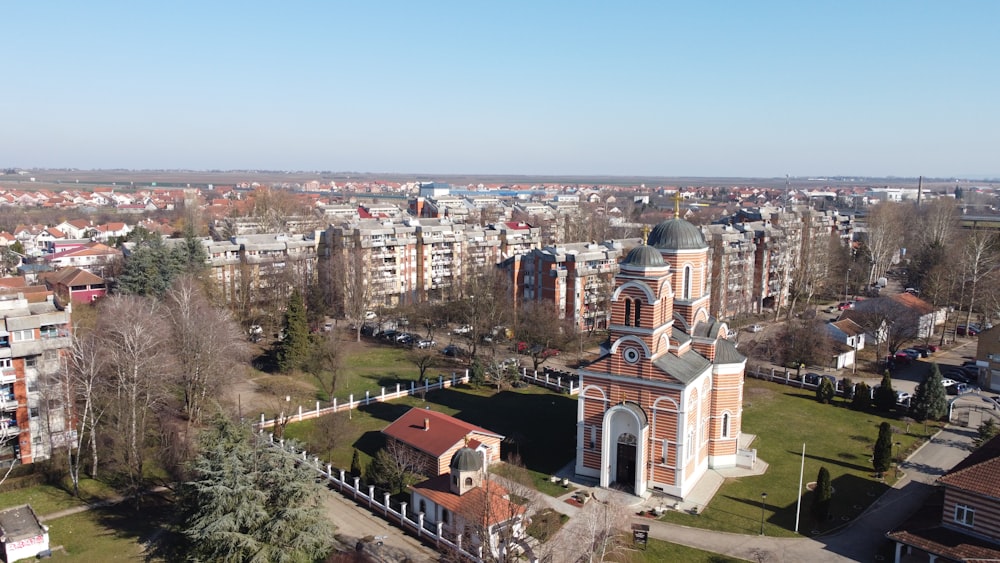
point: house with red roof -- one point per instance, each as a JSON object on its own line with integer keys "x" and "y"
{"x": 92, "y": 256}
{"x": 74, "y": 285}
{"x": 434, "y": 438}
{"x": 960, "y": 521}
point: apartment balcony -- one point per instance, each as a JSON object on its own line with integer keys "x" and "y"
{"x": 7, "y": 375}
{"x": 9, "y": 429}
{"x": 8, "y": 403}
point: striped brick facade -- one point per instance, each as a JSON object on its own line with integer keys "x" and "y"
{"x": 657, "y": 410}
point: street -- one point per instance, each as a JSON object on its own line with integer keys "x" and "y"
{"x": 354, "y": 522}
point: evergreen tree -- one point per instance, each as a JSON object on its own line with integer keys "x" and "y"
{"x": 825, "y": 391}
{"x": 822, "y": 495}
{"x": 930, "y": 401}
{"x": 882, "y": 454}
{"x": 986, "y": 432}
{"x": 862, "y": 397}
{"x": 249, "y": 501}
{"x": 18, "y": 247}
{"x": 294, "y": 348}
{"x": 356, "y": 464}
{"x": 885, "y": 395}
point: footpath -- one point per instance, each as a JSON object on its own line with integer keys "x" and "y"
{"x": 861, "y": 540}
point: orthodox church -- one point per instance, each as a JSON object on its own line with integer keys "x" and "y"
{"x": 663, "y": 403}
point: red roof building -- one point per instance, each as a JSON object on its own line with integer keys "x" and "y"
{"x": 435, "y": 437}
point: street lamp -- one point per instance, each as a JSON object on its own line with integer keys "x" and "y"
{"x": 763, "y": 497}
{"x": 897, "y": 444}
{"x": 847, "y": 277}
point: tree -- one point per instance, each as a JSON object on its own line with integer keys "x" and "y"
{"x": 822, "y": 495}
{"x": 293, "y": 349}
{"x": 862, "y": 397}
{"x": 394, "y": 467}
{"x": 358, "y": 294}
{"x": 888, "y": 321}
{"x": 325, "y": 362}
{"x": 207, "y": 345}
{"x": 248, "y": 501}
{"x": 884, "y": 237}
{"x": 825, "y": 391}
{"x": 979, "y": 259}
{"x": 541, "y": 329}
{"x": 602, "y": 528}
{"x": 85, "y": 366}
{"x": 804, "y": 341}
{"x": 485, "y": 302}
{"x": 356, "y": 470}
{"x": 882, "y": 453}
{"x": 986, "y": 432}
{"x": 133, "y": 338}
{"x": 885, "y": 395}
{"x": 930, "y": 401}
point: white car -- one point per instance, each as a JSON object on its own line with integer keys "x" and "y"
{"x": 370, "y": 315}
{"x": 731, "y": 333}
{"x": 902, "y": 396}
{"x": 755, "y": 328}
{"x": 425, "y": 343}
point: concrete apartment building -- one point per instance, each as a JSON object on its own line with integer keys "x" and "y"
{"x": 34, "y": 334}
{"x": 577, "y": 278}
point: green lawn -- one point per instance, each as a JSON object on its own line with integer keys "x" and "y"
{"x": 836, "y": 437}
{"x": 539, "y": 425}
{"x": 45, "y": 499}
{"x": 657, "y": 551}
{"x": 110, "y": 534}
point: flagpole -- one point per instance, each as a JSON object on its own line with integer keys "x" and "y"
{"x": 798, "y": 503}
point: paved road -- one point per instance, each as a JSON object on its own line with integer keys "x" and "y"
{"x": 858, "y": 542}
{"x": 354, "y": 522}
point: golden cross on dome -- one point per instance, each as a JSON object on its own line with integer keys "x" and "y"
{"x": 645, "y": 234}
{"x": 677, "y": 204}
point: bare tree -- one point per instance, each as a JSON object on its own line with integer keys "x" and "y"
{"x": 325, "y": 362}
{"x": 485, "y": 303}
{"x": 207, "y": 344}
{"x": 884, "y": 238}
{"x": 358, "y": 291}
{"x": 980, "y": 258}
{"x": 602, "y": 530}
{"x": 493, "y": 514}
{"x": 84, "y": 367}
{"x": 134, "y": 339}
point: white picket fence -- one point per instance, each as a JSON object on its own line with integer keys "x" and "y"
{"x": 351, "y": 488}
{"x": 381, "y": 397}
{"x": 556, "y": 383}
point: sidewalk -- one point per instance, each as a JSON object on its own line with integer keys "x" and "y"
{"x": 859, "y": 541}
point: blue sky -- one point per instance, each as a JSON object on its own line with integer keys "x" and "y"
{"x": 627, "y": 88}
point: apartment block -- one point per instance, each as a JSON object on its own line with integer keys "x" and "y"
{"x": 35, "y": 413}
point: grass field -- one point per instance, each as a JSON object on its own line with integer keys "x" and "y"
{"x": 835, "y": 437}
{"x": 539, "y": 426}
{"x": 657, "y": 551}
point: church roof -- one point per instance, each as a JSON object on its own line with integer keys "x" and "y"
{"x": 644, "y": 256}
{"x": 466, "y": 459}
{"x": 707, "y": 329}
{"x": 676, "y": 234}
{"x": 678, "y": 335}
{"x": 726, "y": 353}
{"x": 684, "y": 368}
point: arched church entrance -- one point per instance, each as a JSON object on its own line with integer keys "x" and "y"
{"x": 625, "y": 461}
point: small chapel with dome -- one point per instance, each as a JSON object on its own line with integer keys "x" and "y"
{"x": 663, "y": 403}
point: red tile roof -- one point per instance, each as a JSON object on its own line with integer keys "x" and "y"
{"x": 913, "y": 302}
{"x": 488, "y": 504}
{"x": 924, "y": 531}
{"x": 979, "y": 473}
{"x": 442, "y": 434}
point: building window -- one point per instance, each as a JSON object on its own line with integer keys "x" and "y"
{"x": 468, "y": 481}
{"x": 31, "y": 361}
{"x": 663, "y": 452}
{"x": 5, "y": 340}
{"x": 593, "y": 437}
{"x": 5, "y": 363}
{"x": 687, "y": 282}
{"x": 725, "y": 425}
{"x": 628, "y": 312}
{"x": 454, "y": 480}
{"x": 690, "y": 444}
{"x": 964, "y": 515}
{"x": 638, "y": 311}
{"x": 49, "y": 331}
{"x": 23, "y": 335}
{"x": 444, "y": 515}
{"x": 33, "y": 412}
{"x": 423, "y": 507}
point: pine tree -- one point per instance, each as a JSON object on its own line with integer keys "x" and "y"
{"x": 250, "y": 502}
{"x": 293, "y": 349}
{"x": 882, "y": 454}
{"x": 930, "y": 401}
{"x": 986, "y": 432}
{"x": 825, "y": 391}
{"x": 885, "y": 395}
{"x": 862, "y": 397}
{"x": 822, "y": 495}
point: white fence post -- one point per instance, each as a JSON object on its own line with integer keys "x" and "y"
{"x": 383, "y": 394}
{"x": 402, "y": 514}
{"x": 397, "y": 389}
{"x": 420, "y": 524}
{"x": 368, "y": 398}
{"x": 317, "y": 408}
{"x": 334, "y": 404}
{"x": 300, "y": 413}
{"x": 371, "y": 494}
{"x": 350, "y": 402}
{"x": 386, "y": 499}
{"x": 356, "y": 483}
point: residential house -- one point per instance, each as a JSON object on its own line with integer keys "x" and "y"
{"x": 961, "y": 521}
{"x": 75, "y": 285}
{"x": 76, "y": 229}
{"x": 92, "y": 256}
{"x": 849, "y": 337}
{"x": 434, "y": 438}
{"x": 107, "y": 231}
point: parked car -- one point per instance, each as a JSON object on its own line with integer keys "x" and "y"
{"x": 755, "y": 328}
{"x": 901, "y": 357}
{"x": 902, "y": 397}
{"x": 911, "y": 353}
{"x": 539, "y": 350}
{"x": 925, "y": 349}
{"x": 370, "y": 315}
{"x": 845, "y": 305}
{"x": 464, "y": 329}
{"x": 971, "y": 330}
{"x": 958, "y": 389}
{"x": 731, "y": 333}
{"x": 453, "y": 351}
{"x": 425, "y": 343}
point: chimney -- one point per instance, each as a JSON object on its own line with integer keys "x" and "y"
{"x": 427, "y": 424}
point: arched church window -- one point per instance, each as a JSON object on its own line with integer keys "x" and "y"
{"x": 638, "y": 311}
{"x": 725, "y": 425}
{"x": 687, "y": 282}
{"x": 468, "y": 481}
{"x": 423, "y": 507}
{"x": 628, "y": 312}
{"x": 690, "y": 444}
